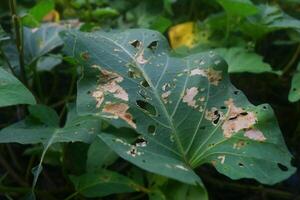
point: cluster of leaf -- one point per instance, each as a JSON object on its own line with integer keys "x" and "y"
{"x": 143, "y": 118}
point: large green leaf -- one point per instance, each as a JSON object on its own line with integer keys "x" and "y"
{"x": 12, "y": 91}
{"x": 185, "y": 109}
{"x": 38, "y": 42}
{"x": 269, "y": 18}
{"x": 241, "y": 60}
{"x": 238, "y": 7}
{"x": 103, "y": 183}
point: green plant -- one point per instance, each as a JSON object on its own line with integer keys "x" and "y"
{"x": 146, "y": 121}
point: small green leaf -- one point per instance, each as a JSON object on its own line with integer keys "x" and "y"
{"x": 178, "y": 191}
{"x": 157, "y": 195}
{"x": 241, "y": 8}
{"x": 12, "y": 91}
{"x": 269, "y": 18}
{"x": 47, "y": 63}
{"x": 45, "y": 115}
{"x": 41, "y": 41}
{"x": 36, "y": 14}
{"x": 241, "y": 60}
{"x": 161, "y": 24}
{"x": 37, "y": 43}
{"x": 102, "y": 184}
{"x": 105, "y": 12}
{"x": 99, "y": 156}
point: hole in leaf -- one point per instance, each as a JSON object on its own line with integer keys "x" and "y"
{"x": 244, "y": 113}
{"x": 236, "y": 92}
{"x": 211, "y": 145}
{"x": 143, "y": 93}
{"x": 140, "y": 142}
{"x": 265, "y": 107}
{"x": 136, "y": 43}
{"x": 153, "y": 45}
{"x": 223, "y": 107}
{"x": 202, "y": 127}
{"x": 144, "y": 83}
{"x": 151, "y": 129}
{"x": 146, "y": 107}
{"x": 294, "y": 89}
{"x": 241, "y": 164}
{"x": 282, "y": 167}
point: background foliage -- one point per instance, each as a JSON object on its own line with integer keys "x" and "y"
{"x": 61, "y": 155}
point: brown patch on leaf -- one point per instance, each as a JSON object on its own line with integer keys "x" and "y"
{"x": 139, "y": 57}
{"x": 111, "y": 85}
{"x": 85, "y": 55}
{"x": 237, "y": 119}
{"x": 214, "y": 115}
{"x": 213, "y": 76}
{"x": 120, "y": 110}
{"x": 254, "y": 134}
{"x": 239, "y": 144}
{"x": 165, "y": 96}
{"x": 189, "y": 96}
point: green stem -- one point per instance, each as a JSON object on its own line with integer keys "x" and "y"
{"x": 29, "y": 167}
{"x": 227, "y": 27}
{"x": 8, "y": 64}
{"x": 19, "y": 39}
{"x": 69, "y": 94}
{"x": 13, "y": 157}
{"x": 292, "y": 61}
{"x": 11, "y": 171}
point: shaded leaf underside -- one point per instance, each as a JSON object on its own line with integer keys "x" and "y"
{"x": 185, "y": 109}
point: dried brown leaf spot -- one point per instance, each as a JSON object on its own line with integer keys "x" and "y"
{"x": 213, "y": 76}
{"x": 189, "y": 97}
{"x": 214, "y": 115}
{"x": 237, "y": 119}
{"x": 254, "y": 134}
{"x": 120, "y": 110}
{"x": 111, "y": 85}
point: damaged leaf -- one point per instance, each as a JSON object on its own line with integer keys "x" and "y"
{"x": 186, "y": 109}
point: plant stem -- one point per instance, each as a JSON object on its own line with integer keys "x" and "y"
{"x": 292, "y": 61}
{"x": 8, "y": 64}
{"x": 12, "y": 173}
{"x": 13, "y": 157}
{"x": 18, "y": 28}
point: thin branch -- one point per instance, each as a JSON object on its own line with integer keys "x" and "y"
{"x": 18, "y": 28}
{"x": 292, "y": 61}
{"x": 11, "y": 172}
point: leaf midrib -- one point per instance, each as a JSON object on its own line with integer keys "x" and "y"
{"x": 174, "y": 132}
